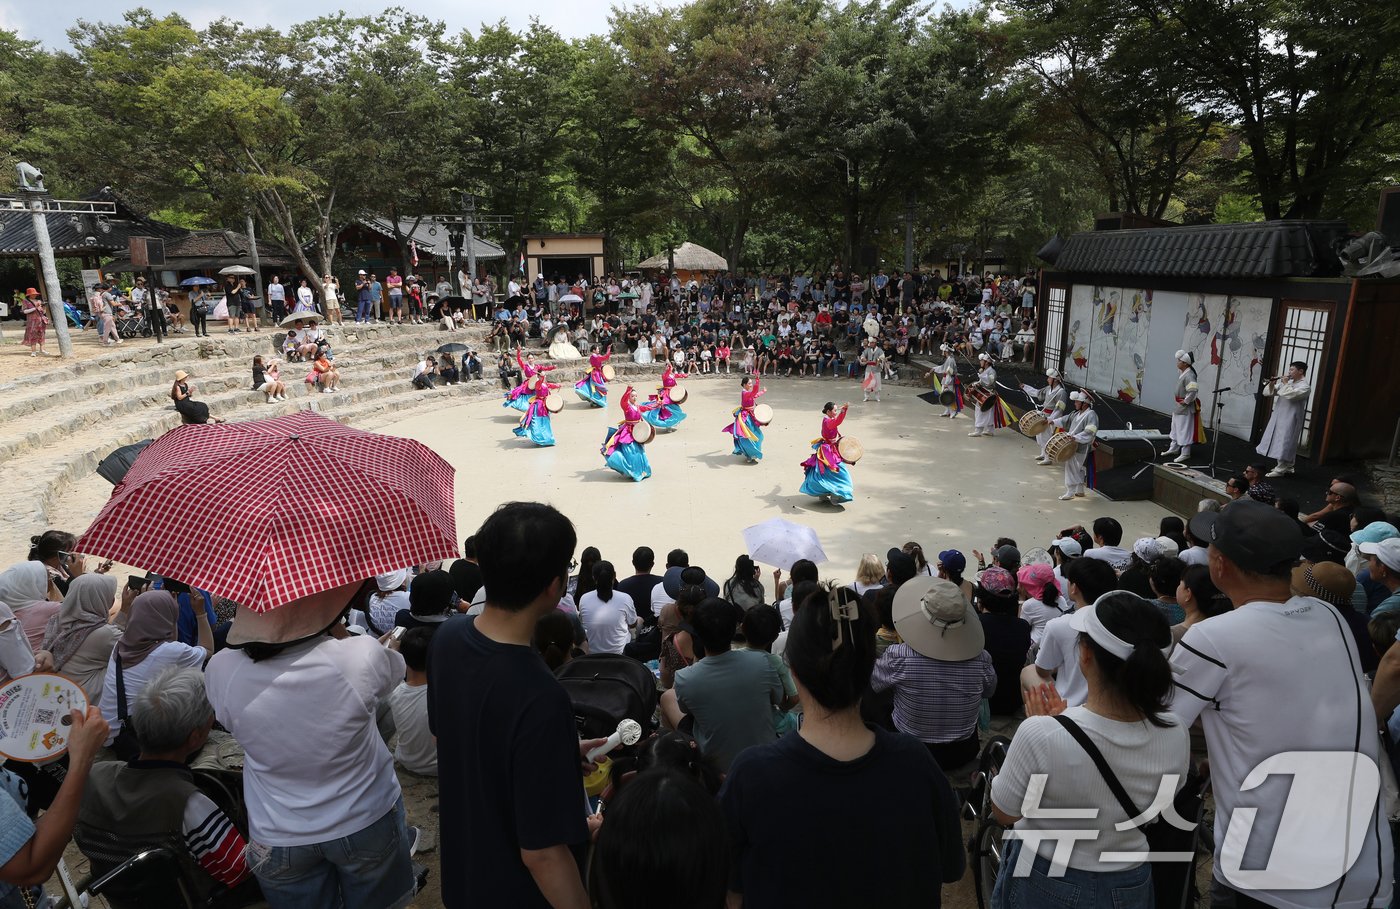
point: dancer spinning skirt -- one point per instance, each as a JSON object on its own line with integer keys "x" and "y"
{"x": 535, "y": 425}
{"x": 827, "y": 477}
{"x": 593, "y": 388}
{"x": 518, "y": 398}
{"x": 621, "y": 451}
{"x": 748, "y": 435}
{"x": 668, "y": 413}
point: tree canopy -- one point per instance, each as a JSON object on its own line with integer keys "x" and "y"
{"x": 781, "y": 133}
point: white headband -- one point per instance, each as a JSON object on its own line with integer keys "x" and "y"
{"x": 1106, "y": 639}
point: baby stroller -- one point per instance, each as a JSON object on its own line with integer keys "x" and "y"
{"x": 76, "y": 318}
{"x": 606, "y": 688}
{"x": 131, "y": 324}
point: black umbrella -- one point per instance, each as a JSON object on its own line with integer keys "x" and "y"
{"x": 114, "y": 467}
{"x": 453, "y": 347}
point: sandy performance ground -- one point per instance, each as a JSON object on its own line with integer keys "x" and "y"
{"x": 921, "y": 479}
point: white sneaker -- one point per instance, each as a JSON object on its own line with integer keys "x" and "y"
{"x": 1066, "y": 497}
{"x": 1171, "y": 451}
{"x": 1181, "y": 458}
{"x": 1279, "y": 472}
{"x": 973, "y": 435}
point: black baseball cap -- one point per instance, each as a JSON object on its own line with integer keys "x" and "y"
{"x": 900, "y": 566}
{"x": 1254, "y": 536}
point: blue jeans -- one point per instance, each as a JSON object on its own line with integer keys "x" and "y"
{"x": 1131, "y": 889}
{"x": 362, "y": 313}
{"x": 369, "y": 869}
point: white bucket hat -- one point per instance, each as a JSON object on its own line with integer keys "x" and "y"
{"x": 937, "y": 621}
{"x": 1052, "y": 373}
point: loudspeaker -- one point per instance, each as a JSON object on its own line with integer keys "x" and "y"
{"x": 1388, "y": 222}
{"x": 155, "y": 251}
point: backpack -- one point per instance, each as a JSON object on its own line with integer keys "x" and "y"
{"x": 606, "y": 688}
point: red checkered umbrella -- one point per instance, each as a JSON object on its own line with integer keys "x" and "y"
{"x": 269, "y": 511}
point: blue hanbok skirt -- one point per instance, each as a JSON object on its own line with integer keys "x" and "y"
{"x": 824, "y": 482}
{"x": 597, "y": 395}
{"x": 630, "y": 459}
{"x": 674, "y": 415}
{"x": 538, "y": 431}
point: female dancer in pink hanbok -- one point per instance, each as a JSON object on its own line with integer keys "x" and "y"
{"x": 668, "y": 414}
{"x": 827, "y": 477}
{"x": 593, "y": 388}
{"x": 621, "y": 451}
{"x": 518, "y": 398}
{"x": 748, "y": 435}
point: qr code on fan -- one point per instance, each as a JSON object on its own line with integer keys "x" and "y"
{"x": 44, "y": 717}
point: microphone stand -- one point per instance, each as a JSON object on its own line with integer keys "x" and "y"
{"x": 1217, "y": 407}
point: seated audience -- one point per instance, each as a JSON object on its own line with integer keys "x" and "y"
{"x": 1057, "y": 659}
{"x": 416, "y": 750}
{"x": 940, "y": 673}
{"x": 154, "y": 801}
{"x": 781, "y": 800}
{"x": 729, "y": 695}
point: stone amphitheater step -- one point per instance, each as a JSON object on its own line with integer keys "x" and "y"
{"x": 121, "y": 395}
{"x": 152, "y": 365}
{"x": 34, "y": 481}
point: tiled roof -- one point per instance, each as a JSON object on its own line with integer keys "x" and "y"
{"x": 428, "y": 241}
{"x": 1267, "y": 249}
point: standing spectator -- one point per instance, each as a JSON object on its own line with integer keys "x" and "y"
{"x": 608, "y": 614}
{"x": 325, "y": 814}
{"x": 416, "y": 751}
{"x": 940, "y": 673}
{"x": 729, "y": 695}
{"x": 199, "y": 311}
{"x": 394, "y": 284}
{"x": 100, "y": 303}
{"x": 778, "y": 824}
{"x": 376, "y": 298}
{"x": 277, "y": 300}
{"x": 363, "y": 312}
{"x": 36, "y": 322}
{"x": 513, "y": 805}
{"x": 1277, "y": 650}
{"x": 306, "y": 300}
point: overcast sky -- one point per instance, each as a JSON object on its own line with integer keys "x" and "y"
{"x": 572, "y": 18}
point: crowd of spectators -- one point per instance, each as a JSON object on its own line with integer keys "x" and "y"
{"x": 787, "y": 710}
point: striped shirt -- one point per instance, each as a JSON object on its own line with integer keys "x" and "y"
{"x": 214, "y": 842}
{"x": 934, "y": 700}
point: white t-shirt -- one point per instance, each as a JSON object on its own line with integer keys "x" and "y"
{"x": 785, "y": 611}
{"x": 607, "y": 624}
{"x": 315, "y": 767}
{"x": 416, "y": 749}
{"x": 134, "y": 678}
{"x": 1059, "y": 653}
{"x": 1140, "y": 755}
{"x": 1116, "y": 556}
{"x": 1268, "y": 678}
{"x": 1039, "y": 615}
{"x": 660, "y": 599}
{"x": 1196, "y": 555}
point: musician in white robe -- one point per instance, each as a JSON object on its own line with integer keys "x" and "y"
{"x": 1082, "y": 424}
{"x": 1280, "y": 439}
{"x": 1186, "y": 417}
{"x": 947, "y": 373}
{"x": 985, "y": 418}
{"x": 1053, "y": 402}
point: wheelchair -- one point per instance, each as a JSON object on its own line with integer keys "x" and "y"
{"x": 984, "y": 848}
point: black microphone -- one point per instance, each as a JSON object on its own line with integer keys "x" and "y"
{"x": 1221, "y": 391}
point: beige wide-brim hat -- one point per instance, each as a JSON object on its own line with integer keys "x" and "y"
{"x": 296, "y": 620}
{"x": 181, "y": 375}
{"x": 936, "y": 620}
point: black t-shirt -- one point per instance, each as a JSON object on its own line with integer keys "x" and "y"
{"x": 1339, "y": 520}
{"x": 505, "y": 730}
{"x": 891, "y": 811}
{"x": 638, "y": 587}
{"x": 1008, "y": 640}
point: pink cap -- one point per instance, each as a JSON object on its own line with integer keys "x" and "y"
{"x": 1035, "y": 578}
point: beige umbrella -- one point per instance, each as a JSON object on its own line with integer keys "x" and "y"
{"x": 689, "y": 257}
